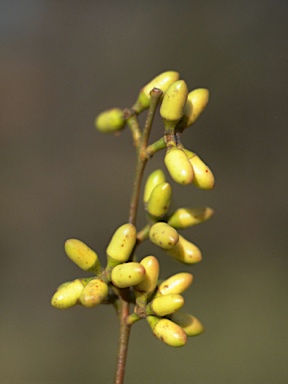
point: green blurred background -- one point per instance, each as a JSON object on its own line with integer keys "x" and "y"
{"x": 62, "y": 63}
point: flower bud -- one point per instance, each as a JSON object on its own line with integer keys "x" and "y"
{"x": 162, "y": 81}
{"x": 82, "y": 255}
{"x": 163, "y": 235}
{"x": 67, "y": 295}
{"x": 121, "y": 244}
{"x": 160, "y": 199}
{"x": 178, "y": 166}
{"x": 110, "y": 121}
{"x": 175, "y": 284}
{"x": 185, "y": 252}
{"x": 190, "y": 324}
{"x": 127, "y": 274}
{"x": 174, "y": 100}
{"x": 203, "y": 176}
{"x": 195, "y": 105}
{"x": 165, "y": 305}
{"x": 186, "y": 217}
{"x": 167, "y": 331}
{"x": 155, "y": 178}
{"x": 147, "y": 286}
{"x": 94, "y": 293}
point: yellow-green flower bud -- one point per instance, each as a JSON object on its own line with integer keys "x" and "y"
{"x": 162, "y": 81}
{"x": 203, "y": 176}
{"x": 175, "y": 284}
{"x": 186, "y": 217}
{"x": 178, "y": 166}
{"x": 185, "y": 252}
{"x": 94, "y": 293}
{"x": 190, "y": 324}
{"x": 148, "y": 285}
{"x": 160, "y": 199}
{"x": 195, "y": 105}
{"x": 121, "y": 244}
{"x": 82, "y": 255}
{"x": 174, "y": 100}
{"x": 155, "y": 178}
{"x": 163, "y": 235}
{"x": 67, "y": 295}
{"x": 167, "y": 331}
{"x": 165, "y": 305}
{"x": 127, "y": 274}
{"x": 110, "y": 121}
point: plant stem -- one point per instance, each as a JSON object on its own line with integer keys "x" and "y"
{"x": 142, "y": 158}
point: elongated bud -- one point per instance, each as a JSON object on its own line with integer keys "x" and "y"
{"x": 121, "y": 245}
{"x": 167, "y": 331}
{"x": 175, "y": 284}
{"x": 82, "y": 255}
{"x": 155, "y": 178}
{"x": 195, "y": 105}
{"x": 174, "y": 100}
{"x": 165, "y": 305}
{"x": 190, "y": 324}
{"x": 127, "y": 274}
{"x": 161, "y": 81}
{"x": 185, "y": 252}
{"x": 203, "y": 176}
{"x": 67, "y": 295}
{"x": 163, "y": 235}
{"x": 94, "y": 293}
{"x": 178, "y": 166}
{"x": 186, "y": 217}
{"x": 110, "y": 121}
{"x": 160, "y": 199}
{"x": 147, "y": 286}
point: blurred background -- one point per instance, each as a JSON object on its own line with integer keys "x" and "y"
{"x": 62, "y": 63}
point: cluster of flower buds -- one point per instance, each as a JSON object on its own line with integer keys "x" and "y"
{"x": 159, "y": 302}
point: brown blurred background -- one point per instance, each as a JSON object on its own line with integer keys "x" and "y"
{"x": 62, "y": 63}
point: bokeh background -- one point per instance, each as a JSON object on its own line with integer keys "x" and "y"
{"x": 62, "y": 63}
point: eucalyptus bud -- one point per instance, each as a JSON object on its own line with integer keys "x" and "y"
{"x": 163, "y": 235}
{"x": 155, "y": 178}
{"x": 175, "y": 284}
{"x": 167, "y": 331}
{"x": 162, "y": 82}
{"x": 190, "y": 324}
{"x": 147, "y": 286}
{"x": 195, "y": 105}
{"x": 165, "y": 305}
{"x": 203, "y": 176}
{"x": 94, "y": 293}
{"x": 174, "y": 100}
{"x": 178, "y": 166}
{"x": 186, "y": 217}
{"x": 160, "y": 199}
{"x": 82, "y": 255}
{"x": 110, "y": 121}
{"x": 185, "y": 252}
{"x": 67, "y": 294}
{"x": 127, "y": 274}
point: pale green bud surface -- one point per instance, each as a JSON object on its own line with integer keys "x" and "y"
{"x": 162, "y": 82}
{"x": 185, "y": 252}
{"x": 186, "y": 217}
{"x": 178, "y": 166}
{"x": 121, "y": 244}
{"x": 94, "y": 293}
{"x": 195, "y": 105}
{"x": 160, "y": 199}
{"x": 82, "y": 255}
{"x": 110, "y": 121}
{"x": 163, "y": 235}
{"x": 165, "y": 305}
{"x": 190, "y": 324}
{"x": 67, "y": 295}
{"x": 203, "y": 176}
{"x": 148, "y": 285}
{"x": 167, "y": 331}
{"x": 155, "y": 178}
{"x": 174, "y": 100}
{"x": 127, "y": 274}
{"x": 176, "y": 284}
